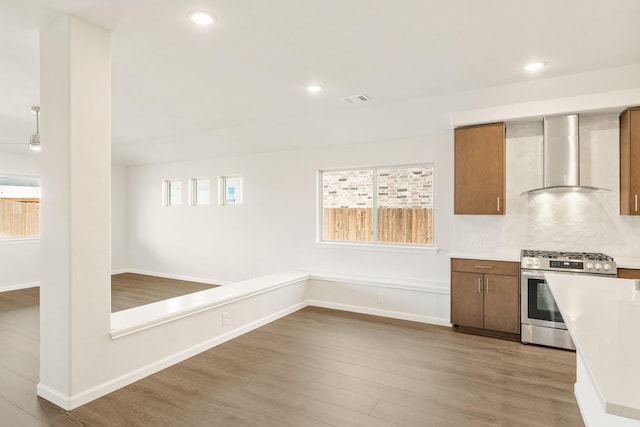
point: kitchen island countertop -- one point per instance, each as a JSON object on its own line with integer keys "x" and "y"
{"x": 603, "y": 318}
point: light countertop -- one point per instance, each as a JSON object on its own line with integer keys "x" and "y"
{"x": 489, "y": 256}
{"x": 627, "y": 262}
{"x": 603, "y": 318}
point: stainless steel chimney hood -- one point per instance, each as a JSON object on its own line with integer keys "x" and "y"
{"x": 561, "y": 156}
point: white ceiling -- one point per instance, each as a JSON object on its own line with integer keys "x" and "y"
{"x": 239, "y": 86}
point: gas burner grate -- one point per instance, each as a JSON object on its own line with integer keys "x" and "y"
{"x": 585, "y": 256}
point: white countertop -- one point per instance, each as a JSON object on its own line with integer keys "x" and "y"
{"x": 603, "y": 318}
{"x": 627, "y": 262}
{"x": 489, "y": 256}
{"x": 139, "y": 318}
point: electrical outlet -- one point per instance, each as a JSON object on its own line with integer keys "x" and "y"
{"x": 380, "y": 297}
{"x": 225, "y": 318}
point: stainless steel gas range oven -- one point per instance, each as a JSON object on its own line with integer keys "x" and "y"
{"x": 541, "y": 319}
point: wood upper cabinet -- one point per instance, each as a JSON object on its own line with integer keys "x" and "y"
{"x": 630, "y": 161}
{"x": 479, "y": 163}
{"x": 485, "y": 295}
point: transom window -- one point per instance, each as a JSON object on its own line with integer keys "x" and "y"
{"x": 231, "y": 190}
{"x": 172, "y": 193}
{"x": 378, "y": 205}
{"x": 200, "y": 191}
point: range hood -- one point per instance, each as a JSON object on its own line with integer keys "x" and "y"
{"x": 561, "y": 156}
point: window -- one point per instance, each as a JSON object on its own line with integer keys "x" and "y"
{"x": 400, "y": 197}
{"x": 200, "y": 191}
{"x": 19, "y": 206}
{"x": 231, "y": 190}
{"x": 172, "y": 193}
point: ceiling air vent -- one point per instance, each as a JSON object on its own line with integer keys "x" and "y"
{"x": 355, "y": 99}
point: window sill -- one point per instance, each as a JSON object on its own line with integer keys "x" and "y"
{"x": 380, "y": 247}
{"x": 16, "y": 240}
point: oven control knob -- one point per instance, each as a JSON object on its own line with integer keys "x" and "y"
{"x": 606, "y": 267}
{"x": 598, "y": 266}
{"x": 589, "y": 266}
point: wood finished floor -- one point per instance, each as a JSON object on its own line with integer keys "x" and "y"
{"x": 315, "y": 367}
{"x": 131, "y": 290}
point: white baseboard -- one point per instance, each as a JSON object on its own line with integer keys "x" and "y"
{"x": 381, "y": 282}
{"x": 205, "y": 280}
{"x": 119, "y": 271}
{"x": 54, "y": 396}
{"x": 93, "y": 393}
{"x": 19, "y": 286}
{"x": 382, "y": 313}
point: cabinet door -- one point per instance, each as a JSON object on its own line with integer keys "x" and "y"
{"x": 466, "y": 299}
{"x": 501, "y": 303}
{"x": 630, "y": 162}
{"x": 479, "y": 170}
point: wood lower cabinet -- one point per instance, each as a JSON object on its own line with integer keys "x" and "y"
{"x": 630, "y": 162}
{"x": 628, "y": 273}
{"x": 479, "y": 164}
{"x": 485, "y": 297}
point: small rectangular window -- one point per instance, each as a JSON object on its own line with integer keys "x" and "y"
{"x": 379, "y": 205}
{"x": 172, "y": 193}
{"x": 19, "y": 206}
{"x": 231, "y": 190}
{"x": 200, "y": 189}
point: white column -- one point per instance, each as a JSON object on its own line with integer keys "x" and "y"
{"x": 75, "y": 295}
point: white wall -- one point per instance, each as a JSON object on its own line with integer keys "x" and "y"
{"x": 275, "y": 228}
{"x": 20, "y": 258}
{"x": 118, "y": 218}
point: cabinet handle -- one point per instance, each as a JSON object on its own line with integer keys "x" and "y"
{"x": 482, "y": 266}
{"x": 636, "y": 202}
{"x": 487, "y": 280}
{"x": 479, "y": 286}
{"x": 498, "y": 203}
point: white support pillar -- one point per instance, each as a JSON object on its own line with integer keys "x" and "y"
{"x": 75, "y": 292}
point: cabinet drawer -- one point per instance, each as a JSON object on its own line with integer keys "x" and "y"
{"x": 484, "y": 266}
{"x": 628, "y": 273}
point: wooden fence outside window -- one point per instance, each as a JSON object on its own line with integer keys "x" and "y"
{"x": 19, "y": 217}
{"x": 395, "y": 225}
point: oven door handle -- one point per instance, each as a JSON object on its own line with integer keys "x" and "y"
{"x": 532, "y": 274}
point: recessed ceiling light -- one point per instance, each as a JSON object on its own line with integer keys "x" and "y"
{"x": 202, "y": 18}
{"x": 314, "y": 88}
{"x": 534, "y": 66}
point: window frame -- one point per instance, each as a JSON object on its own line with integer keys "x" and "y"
{"x": 374, "y": 244}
